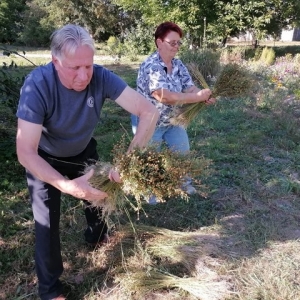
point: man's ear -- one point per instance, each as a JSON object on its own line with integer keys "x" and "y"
{"x": 55, "y": 61}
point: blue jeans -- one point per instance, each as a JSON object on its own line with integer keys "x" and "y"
{"x": 175, "y": 137}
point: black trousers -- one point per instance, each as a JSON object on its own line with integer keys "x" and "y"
{"x": 46, "y": 201}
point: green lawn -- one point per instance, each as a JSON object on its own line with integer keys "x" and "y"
{"x": 237, "y": 239}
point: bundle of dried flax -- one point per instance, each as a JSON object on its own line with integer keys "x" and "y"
{"x": 153, "y": 280}
{"x": 232, "y": 82}
{"x": 144, "y": 172}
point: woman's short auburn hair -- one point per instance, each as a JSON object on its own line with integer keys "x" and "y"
{"x": 164, "y": 28}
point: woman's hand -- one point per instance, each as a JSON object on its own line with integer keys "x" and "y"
{"x": 210, "y": 101}
{"x": 205, "y": 95}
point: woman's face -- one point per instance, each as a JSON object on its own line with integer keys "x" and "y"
{"x": 170, "y": 44}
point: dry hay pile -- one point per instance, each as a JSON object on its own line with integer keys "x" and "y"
{"x": 150, "y": 269}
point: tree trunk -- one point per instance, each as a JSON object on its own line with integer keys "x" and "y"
{"x": 224, "y": 40}
{"x": 255, "y": 44}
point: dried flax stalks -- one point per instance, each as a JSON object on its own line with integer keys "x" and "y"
{"x": 153, "y": 280}
{"x": 232, "y": 82}
{"x": 144, "y": 172}
{"x": 100, "y": 180}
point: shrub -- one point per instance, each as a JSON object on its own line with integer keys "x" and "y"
{"x": 233, "y": 54}
{"x": 207, "y": 60}
{"x": 115, "y": 48}
{"x": 138, "y": 40}
{"x": 282, "y": 51}
{"x": 268, "y": 56}
{"x": 297, "y": 58}
{"x": 11, "y": 80}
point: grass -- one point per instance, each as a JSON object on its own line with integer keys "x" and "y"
{"x": 238, "y": 242}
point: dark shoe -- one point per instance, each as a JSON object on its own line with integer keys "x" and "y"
{"x": 96, "y": 234}
{"x": 99, "y": 244}
{"x": 104, "y": 241}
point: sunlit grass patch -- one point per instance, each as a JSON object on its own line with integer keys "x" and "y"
{"x": 272, "y": 274}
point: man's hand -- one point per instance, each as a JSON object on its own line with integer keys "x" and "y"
{"x": 80, "y": 188}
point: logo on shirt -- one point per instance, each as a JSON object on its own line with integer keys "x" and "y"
{"x": 90, "y": 101}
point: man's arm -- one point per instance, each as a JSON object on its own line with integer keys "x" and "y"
{"x": 148, "y": 115}
{"x": 28, "y": 136}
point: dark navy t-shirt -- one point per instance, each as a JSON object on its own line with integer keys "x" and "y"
{"x": 68, "y": 117}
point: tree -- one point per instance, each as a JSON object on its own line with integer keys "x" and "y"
{"x": 188, "y": 14}
{"x": 37, "y": 27}
{"x": 261, "y": 18}
{"x": 222, "y": 17}
{"x": 101, "y": 18}
{"x": 11, "y": 16}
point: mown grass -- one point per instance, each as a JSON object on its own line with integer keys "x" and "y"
{"x": 241, "y": 238}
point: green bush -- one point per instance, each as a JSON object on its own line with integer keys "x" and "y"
{"x": 139, "y": 40}
{"x": 10, "y": 84}
{"x": 297, "y": 58}
{"x": 11, "y": 81}
{"x": 115, "y": 48}
{"x": 208, "y": 61}
{"x": 280, "y": 51}
{"x": 283, "y": 50}
{"x": 253, "y": 53}
{"x": 268, "y": 56}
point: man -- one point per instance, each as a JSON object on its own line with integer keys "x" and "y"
{"x": 59, "y": 108}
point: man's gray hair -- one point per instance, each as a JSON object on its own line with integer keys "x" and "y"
{"x": 68, "y": 39}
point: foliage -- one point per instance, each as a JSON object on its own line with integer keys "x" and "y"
{"x": 37, "y": 26}
{"x": 267, "y": 56}
{"x": 138, "y": 40}
{"x": 208, "y": 61}
{"x": 282, "y": 51}
{"x": 233, "y": 54}
{"x": 10, "y": 86}
{"x": 11, "y": 80}
{"x": 218, "y": 19}
{"x": 258, "y": 17}
{"x": 101, "y": 18}
{"x": 115, "y": 48}
{"x": 11, "y": 16}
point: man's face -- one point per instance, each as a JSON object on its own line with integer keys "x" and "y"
{"x": 75, "y": 71}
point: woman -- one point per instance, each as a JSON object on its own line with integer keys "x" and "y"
{"x": 166, "y": 82}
